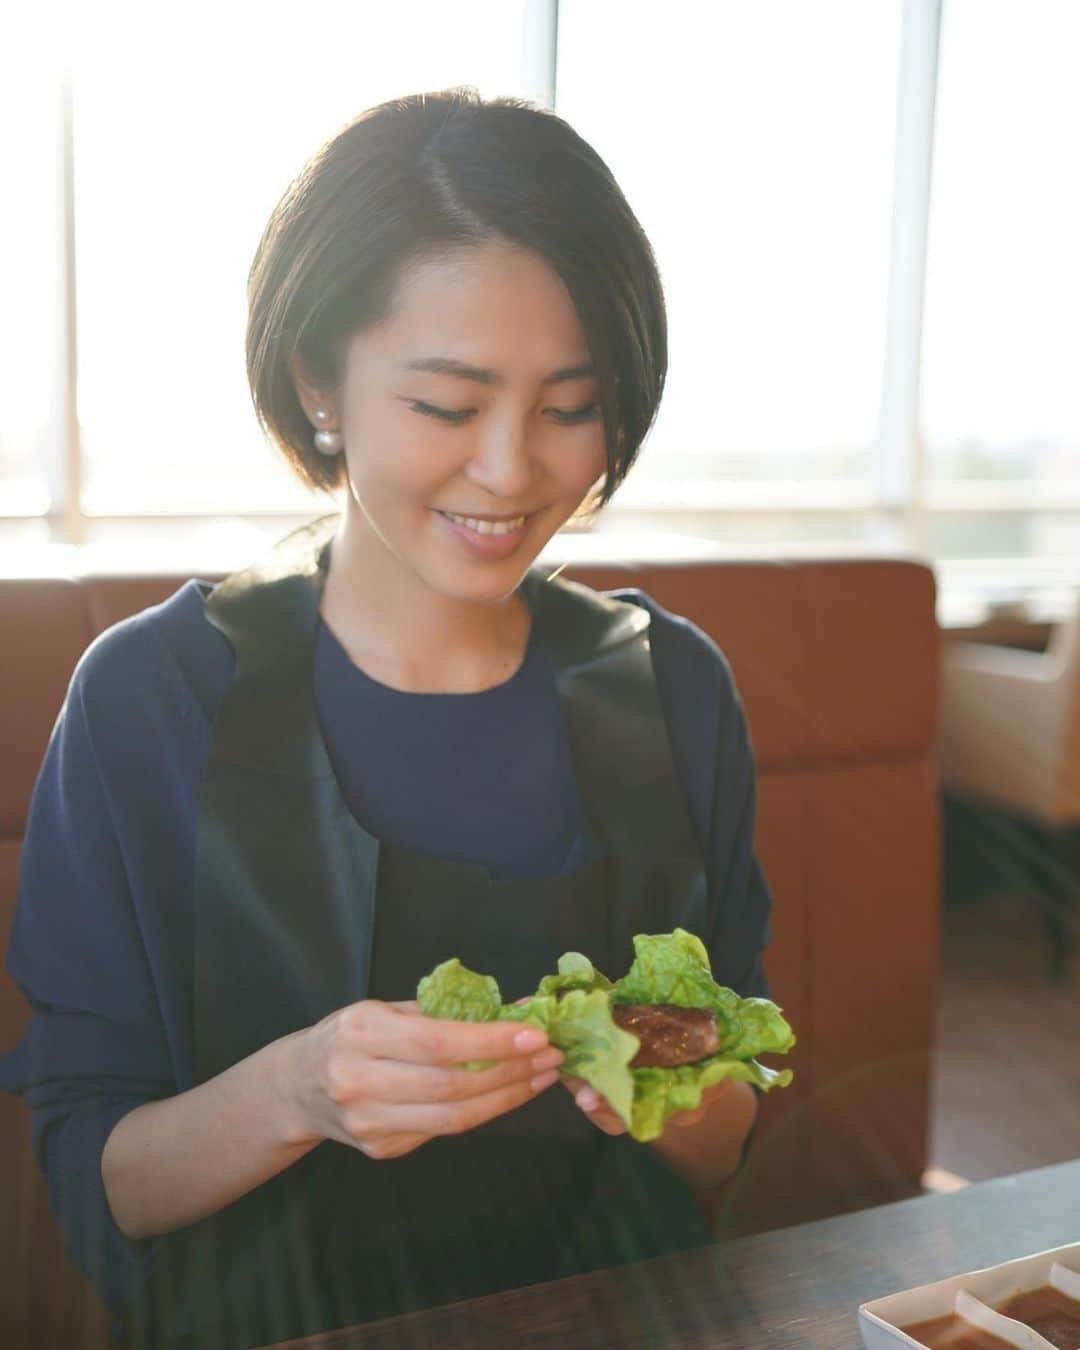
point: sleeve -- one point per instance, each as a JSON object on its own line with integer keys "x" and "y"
{"x": 711, "y": 742}
{"x": 95, "y": 1046}
{"x": 712, "y": 746}
{"x": 740, "y": 903}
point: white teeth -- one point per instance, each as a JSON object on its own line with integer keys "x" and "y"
{"x": 487, "y": 526}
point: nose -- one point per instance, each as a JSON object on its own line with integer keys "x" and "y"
{"x": 502, "y": 462}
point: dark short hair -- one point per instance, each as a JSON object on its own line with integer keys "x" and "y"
{"x": 423, "y": 175}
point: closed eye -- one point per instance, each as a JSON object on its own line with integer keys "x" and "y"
{"x": 570, "y": 415}
{"x": 455, "y": 416}
{"x": 443, "y": 414}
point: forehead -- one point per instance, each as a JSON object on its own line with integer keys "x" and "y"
{"x": 493, "y": 304}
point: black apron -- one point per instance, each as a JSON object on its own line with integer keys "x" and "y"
{"x": 299, "y": 911}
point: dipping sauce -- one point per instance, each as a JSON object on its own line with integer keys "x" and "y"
{"x": 954, "y": 1333}
{"x": 1053, "y": 1314}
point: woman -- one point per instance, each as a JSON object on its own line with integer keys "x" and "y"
{"x": 269, "y": 807}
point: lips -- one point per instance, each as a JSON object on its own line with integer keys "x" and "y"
{"x": 486, "y": 543}
{"x": 486, "y": 526}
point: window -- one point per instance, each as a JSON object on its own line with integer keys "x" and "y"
{"x": 1001, "y": 393}
{"x": 180, "y": 157}
{"x": 802, "y": 167}
{"x": 755, "y": 144}
{"x": 30, "y": 281}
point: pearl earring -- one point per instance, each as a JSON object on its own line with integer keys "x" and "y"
{"x": 327, "y": 442}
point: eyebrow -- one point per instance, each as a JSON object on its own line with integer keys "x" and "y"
{"x": 445, "y": 365}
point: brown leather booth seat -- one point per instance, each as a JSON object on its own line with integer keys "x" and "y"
{"x": 837, "y": 663}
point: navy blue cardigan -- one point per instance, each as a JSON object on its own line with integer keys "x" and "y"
{"x": 101, "y": 943}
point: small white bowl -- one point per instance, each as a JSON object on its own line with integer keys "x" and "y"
{"x": 971, "y": 1295}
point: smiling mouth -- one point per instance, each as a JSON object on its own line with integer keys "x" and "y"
{"x": 494, "y": 527}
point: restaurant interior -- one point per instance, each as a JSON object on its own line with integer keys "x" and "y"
{"x": 862, "y": 485}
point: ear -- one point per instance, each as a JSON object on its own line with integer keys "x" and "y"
{"x": 312, "y": 397}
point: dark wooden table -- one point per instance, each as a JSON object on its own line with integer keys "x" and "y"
{"x": 795, "y": 1287}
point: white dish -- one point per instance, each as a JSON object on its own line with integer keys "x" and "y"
{"x": 971, "y": 1295}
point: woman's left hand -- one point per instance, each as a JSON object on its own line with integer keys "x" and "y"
{"x": 604, "y": 1118}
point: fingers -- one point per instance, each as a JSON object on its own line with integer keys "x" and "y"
{"x": 604, "y": 1118}
{"x": 709, "y": 1095}
{"x": 393, "y": 1145}
{"x": 588, "y": 1098}
{"x": 391, "y": 1032}
{"x": 594, "y": 1106}
{"x": 601, "y": 1114}
{"x": 684, "y": 1118}
{"x": 426, "y": 1083}
{"x": 456, "y": 1117}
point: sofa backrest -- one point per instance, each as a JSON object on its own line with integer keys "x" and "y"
{"x": 837, "y": 664}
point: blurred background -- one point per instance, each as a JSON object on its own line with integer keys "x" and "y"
{"x": 865, "y": 214}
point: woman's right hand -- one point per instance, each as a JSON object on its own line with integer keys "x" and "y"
{"x": 383, "y": 1078}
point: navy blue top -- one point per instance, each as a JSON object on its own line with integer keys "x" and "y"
{"x": 102, "y": 939}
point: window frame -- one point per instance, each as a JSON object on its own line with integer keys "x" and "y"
{"x": 896, "y": 498}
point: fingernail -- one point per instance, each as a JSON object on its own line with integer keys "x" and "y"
{"x": 531, "y": 1038}
{"x": 587, "y": 1099}
{"x": 543, "y": 1080}
{"x": 550, "y": 1058}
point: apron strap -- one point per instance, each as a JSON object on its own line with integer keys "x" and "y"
{"x": 286, "y": 878}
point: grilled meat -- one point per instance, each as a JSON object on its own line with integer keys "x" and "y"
{"x": 669, "y": 1035}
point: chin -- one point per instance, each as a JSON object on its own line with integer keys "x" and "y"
{"x": 449, "y": 569}
{"x": 497, "y": 582}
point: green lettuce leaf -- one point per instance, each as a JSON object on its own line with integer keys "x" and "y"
{"x": 762, "y": 1031}
{"x": 580, "y": 1023}
{"x": 674, "y": 968}
{"x": 660, "y": 1093}
{"x": 668, "y": 968}
{"x": 575, "y": 972}
{"x": 455, "y": 992}
{"x": 596, "y": 1050}
{"x": 458, "y": 993}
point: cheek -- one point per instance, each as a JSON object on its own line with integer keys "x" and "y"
{"x": 392, "y": 455}
{"x": 577, "y": 458}
{"x": 592, "y": 462}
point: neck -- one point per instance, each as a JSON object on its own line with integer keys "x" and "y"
{"x": 406, "y": 634}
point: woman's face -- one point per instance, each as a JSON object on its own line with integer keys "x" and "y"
{"x": 473, "y": 400}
